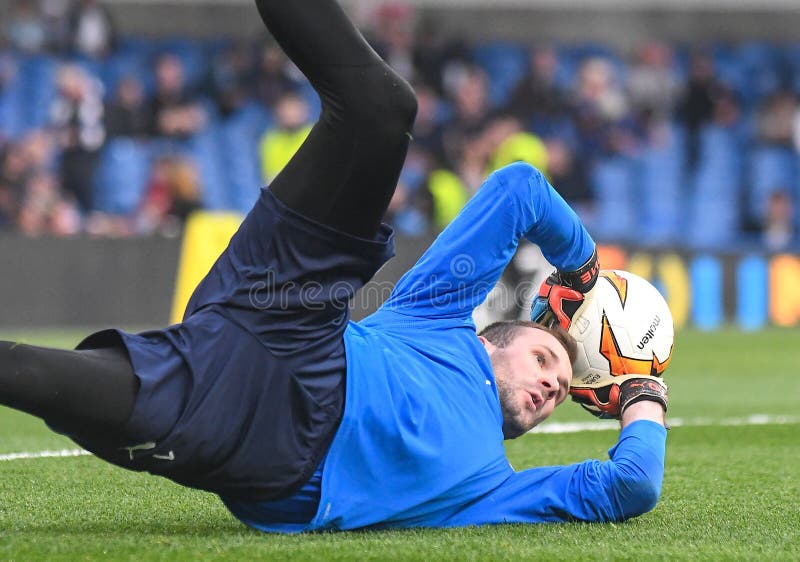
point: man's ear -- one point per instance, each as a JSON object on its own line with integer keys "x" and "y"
{"x": 490, "y": 347}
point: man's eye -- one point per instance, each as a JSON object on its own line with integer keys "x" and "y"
{"x": 540, "y": 359}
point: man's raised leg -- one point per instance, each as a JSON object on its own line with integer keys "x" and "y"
{"x": 345, "y": 173}
{"x": 87, "y": 387}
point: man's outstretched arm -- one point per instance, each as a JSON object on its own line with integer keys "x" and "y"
{"x": 466, "y": 260}
{"x": 626, "y": 486}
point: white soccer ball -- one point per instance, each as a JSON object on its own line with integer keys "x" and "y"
{"x": 625, "y": 329}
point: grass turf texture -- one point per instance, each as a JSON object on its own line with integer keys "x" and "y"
{"x": 730, "y": 493}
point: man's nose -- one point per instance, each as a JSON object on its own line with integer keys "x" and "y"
{"x": 549, "y": 382}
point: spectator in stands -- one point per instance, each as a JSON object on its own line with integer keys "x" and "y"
{"x": 776, "y": 119}
{"x": 279, "y": 143}
{"x": 172, "y": 195}
{"x": 778, "y": 232}
{"x": 30, "y": 195}
{"x": 428, "y": 126}
{"x": 8, "y": 75}
{"x": 25, "y": 28}
{"x": 409, "y": 210}
{"x": 14, "y": 174}
{"x": 128, "y": 115}
{"x": 696, "y": 108}
{"x": 470, "y": 97}
{"x": 55, "y": 14}
{"x": 272, "y": 77}
{"x": 653, "y": 84}
{"x": 92, "y": 29}
{"x": 231, "y": 79}
{"x": 598, "y": 87}
{"x": 602, "y": 115}
{"x": 514, "y": 145}
{"x": 77, "y": 117}
{"x": 39, "y": 149}
{"x": 571, "y": 176}
{"x": 435, "y": 54}
{"x": 540, "y": 104}
{"x": 45, "y": 211}
{"x": 727, "y": 110}
{"x": 394, "y": 40}
{"x": 175, "y": 113}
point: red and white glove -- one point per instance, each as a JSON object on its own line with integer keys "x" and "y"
{"x": 563, "y": 293}
{"x": 610, "y": 399}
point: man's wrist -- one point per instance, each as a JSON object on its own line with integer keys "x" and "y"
{"x": 584, "y": 278}
{"x": 644, "y": 410}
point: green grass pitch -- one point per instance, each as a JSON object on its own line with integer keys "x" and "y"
{"x": 731, "y": 492}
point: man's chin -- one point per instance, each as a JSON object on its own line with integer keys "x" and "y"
{"x": 513, "y": 430}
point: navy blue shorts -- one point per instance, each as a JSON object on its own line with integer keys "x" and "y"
{"x": 243, "y": 397}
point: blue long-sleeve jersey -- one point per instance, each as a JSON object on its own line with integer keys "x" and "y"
{"x": 420, "y": 442}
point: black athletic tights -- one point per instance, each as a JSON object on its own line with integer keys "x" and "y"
{"x": 344, "y": 176}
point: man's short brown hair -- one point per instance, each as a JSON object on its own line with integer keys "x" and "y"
{"x": 503, "y": 333}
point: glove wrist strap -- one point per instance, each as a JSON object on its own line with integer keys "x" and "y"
{"x": 583, "y": 278}
{"x": 639, "y": 389}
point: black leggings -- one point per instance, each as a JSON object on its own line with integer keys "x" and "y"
{"x": 343, "y": 176}
{"x": 345, "y": 173}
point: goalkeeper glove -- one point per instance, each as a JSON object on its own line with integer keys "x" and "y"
{"x": 562, "y": 294}
{"x": 610, "y": 400}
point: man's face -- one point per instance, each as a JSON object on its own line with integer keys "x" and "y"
{"x": 533, "y": 374}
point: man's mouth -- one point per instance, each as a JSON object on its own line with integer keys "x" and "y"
{"x": 536, "y": 400}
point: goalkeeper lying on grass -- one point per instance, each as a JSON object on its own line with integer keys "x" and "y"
{"x": 267, "y": 394}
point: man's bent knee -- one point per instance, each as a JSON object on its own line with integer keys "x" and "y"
{"x": 375, "y": 98}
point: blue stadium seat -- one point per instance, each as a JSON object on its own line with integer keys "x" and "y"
{"x": 613, "y": 184}
{"x": 714, "y": 205}
{"x": 192, "y": 55}
{"x": 505, "y": 64}
{"x": 239, "y": 135}
{"x": 662, "y": 170}
{"x": 760, "y": 64}
{"x": 791, "y": 54}
{"x": 122, "y": 176}
{"x": 729, "y": 69}
{"x": 771, "y": 168}
{"x": 12, "y": 100}
{"x": 713, "y": 223}
{"x": 719, "y": 171}
{"x": 38, "y": 84}
{"x": 134, "y": 56}
{"x": 204, "y": 149}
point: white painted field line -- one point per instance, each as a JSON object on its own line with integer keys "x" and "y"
{"x": 555, "y": 427}
{"x": 606, "y": 425}
{"x": 44, "y": 454}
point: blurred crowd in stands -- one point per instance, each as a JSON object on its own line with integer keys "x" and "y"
{"x": 693, "y": 146}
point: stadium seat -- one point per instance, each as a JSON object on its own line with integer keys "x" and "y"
{"x": 613, "y": 184}
{"x": 239, "y": 135}
{"x": 38, "y": 89}
{"x": 713, "y": 223}
{"x": 204, "y": 149}
{"x": 505, "y": 64}
{"x": 12, "y": 100}
{"x": 122, "y": 176}
{"x": 720, "y": 167}
{"x": 760, "y": 63}
{"x": 661, "y": 176}
{"x": 192, "y": 56}
{"x": 714, "y": 205}
{"x": 771, "y": 168}
{"x": 729, "y": 69}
